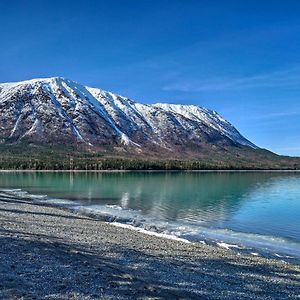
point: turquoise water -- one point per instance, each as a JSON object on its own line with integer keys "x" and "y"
{"x": 252, "y": 208}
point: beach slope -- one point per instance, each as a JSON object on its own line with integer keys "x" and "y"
{"x": 50, "y": 253}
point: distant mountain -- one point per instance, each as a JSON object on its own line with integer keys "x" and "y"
{"x": 60, "y": 111}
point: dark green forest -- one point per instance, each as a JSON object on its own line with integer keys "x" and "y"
{"x": 50, "y": 157}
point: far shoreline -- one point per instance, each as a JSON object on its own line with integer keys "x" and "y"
{"x": 154, "y": 171}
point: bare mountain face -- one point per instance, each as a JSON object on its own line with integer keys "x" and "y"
{"x": 58, "y": 110}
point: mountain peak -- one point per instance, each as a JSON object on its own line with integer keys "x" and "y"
{"x": 42, "y": 80}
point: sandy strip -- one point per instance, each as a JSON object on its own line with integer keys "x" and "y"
{"x": 51, "y": 253}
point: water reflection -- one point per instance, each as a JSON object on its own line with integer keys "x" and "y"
{"x": 265, "y": 203}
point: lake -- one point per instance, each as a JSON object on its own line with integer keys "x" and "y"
{"x": 258, "y": 210}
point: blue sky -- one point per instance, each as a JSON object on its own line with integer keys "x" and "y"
{"x": 240, "y": 58}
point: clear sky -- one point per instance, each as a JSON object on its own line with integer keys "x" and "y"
{"x": 240, "y": 58}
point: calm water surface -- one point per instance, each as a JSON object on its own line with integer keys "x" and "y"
{"x": 249, "y": 206}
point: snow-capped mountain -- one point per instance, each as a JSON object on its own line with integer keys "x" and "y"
{"x": 58, "y": 110}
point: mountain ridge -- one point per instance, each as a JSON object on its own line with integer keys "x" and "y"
{"x": 60, "y": 110}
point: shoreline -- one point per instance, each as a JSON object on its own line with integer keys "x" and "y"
{"x": 50, "y": 253}
{"x": 219, "y": 239}
{"x": 154, "y": 171}
{"x": 246, "y": 244}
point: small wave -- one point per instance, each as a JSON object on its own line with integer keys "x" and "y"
{"x": 153, "y": 233}
{"x": 10, "y": 190}
{"x": 114, "y": 206}
{"x": 58, "y": 201}
{"x": 228, "y": 246}
{"x": 22, "y": 194}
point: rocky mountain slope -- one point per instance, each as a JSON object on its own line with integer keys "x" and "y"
{"x": 58, "y": 110}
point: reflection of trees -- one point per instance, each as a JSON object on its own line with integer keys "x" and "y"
{"x": 167, "y": 195}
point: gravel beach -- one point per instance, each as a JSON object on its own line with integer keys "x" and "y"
{"x": 51, "y": 253}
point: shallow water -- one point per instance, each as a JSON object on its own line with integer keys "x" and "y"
{"x": 260, "y": 209}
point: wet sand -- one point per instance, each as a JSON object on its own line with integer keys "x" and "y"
{"x": 51, "y": 253}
